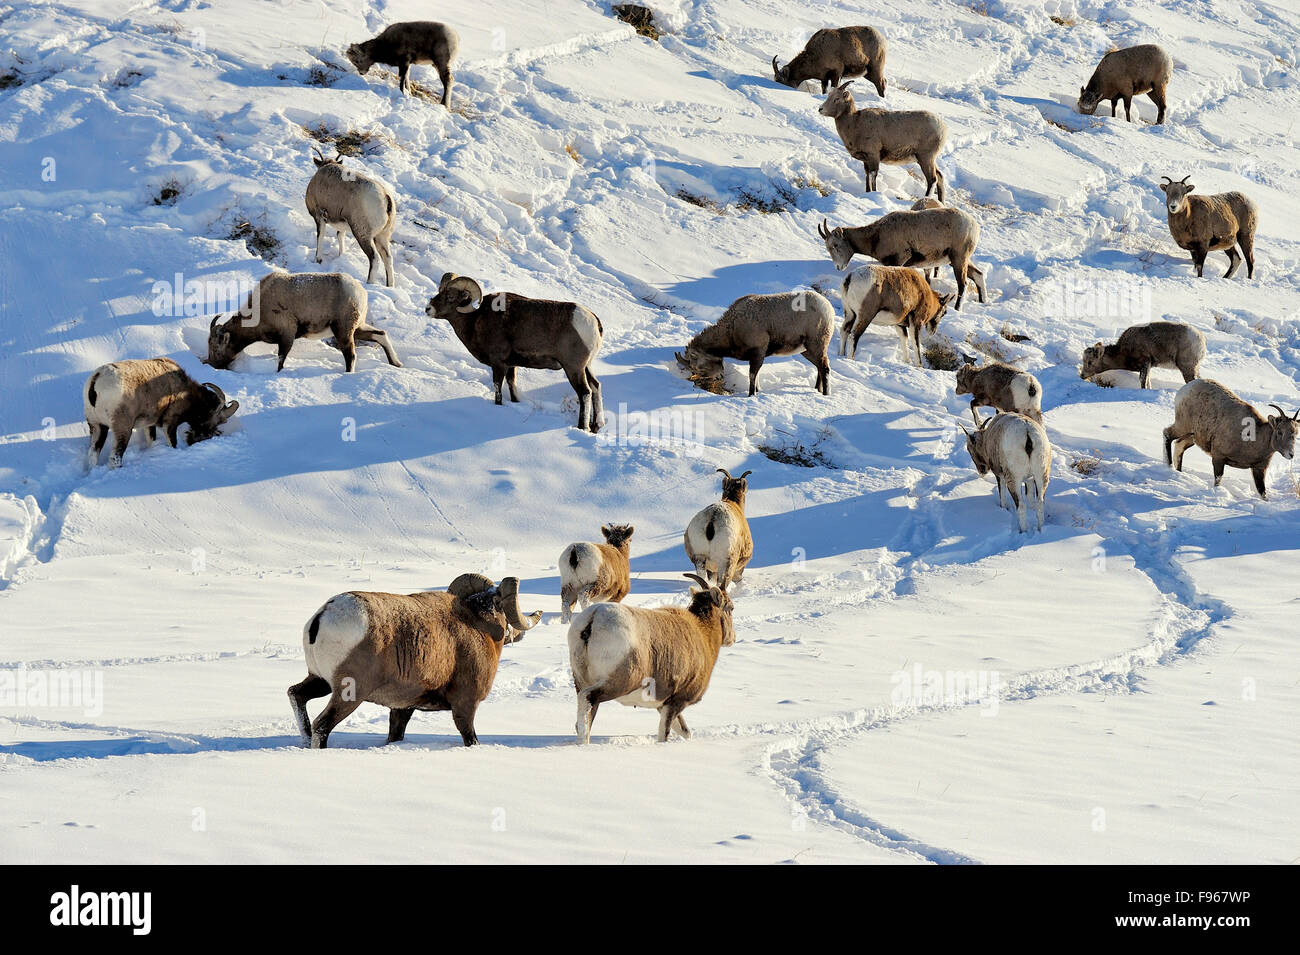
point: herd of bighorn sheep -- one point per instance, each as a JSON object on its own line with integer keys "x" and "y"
{"x": 440, "y": 650}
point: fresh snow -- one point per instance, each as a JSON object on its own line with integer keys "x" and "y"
{"x": 1122, "y": 687}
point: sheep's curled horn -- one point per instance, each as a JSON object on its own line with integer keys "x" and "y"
{"x": 213, "y": 323}
{"x": 216, "y": 391}
{"x": 1293, "y": 417}
{"x": 484, "y": 597}
{"x": 728, "y": 474}
{"x": 469, "y": 285}
{"x": 1168, "y": 179}
{"x": 698, "y": 579}
{"x": 824, "y": 230}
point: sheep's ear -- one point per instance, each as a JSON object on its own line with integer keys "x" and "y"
{"x": 1189, "y": 187}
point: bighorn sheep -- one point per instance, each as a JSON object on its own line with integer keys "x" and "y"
{"x": 1014, "y": 449}
{"x": 831, "y": 55}
{"x": 1002, "y": 387}
{"x": 506, "y": 331}
{"x": 1123, "y": 74}
{"x": 717, "y": 540}
{"x": 150, "y": 392}
{"x": 286, "y": 306}
{"x": 894, "y": 137}
{"x": 590, "y": 573}
{"x": 404, "y": 44}
{"x": 346, "y": 199}
{"x": 898, "y": 296}
{"x": 756, "y": 327}
{"x": 1217, "y": 223}
{"x": 424, "y": 651}
{"x": 1143, "y": 347}
{"x": 660, "y": 658}
{"x": 921, "y": 239}
{"x": 1229, "y": 430}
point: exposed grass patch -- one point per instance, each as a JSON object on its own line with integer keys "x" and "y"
{"x": 573, "y": 153}
{"x": 811, "y": 182}
{"x": 1086, "y": 464}
{"x": 9, "y": 79}
{"x": 351, "y": 142}
{"x": 167, "y": 193}
{"x": 641, "y": 19}
{"x": 702, "y": 202}
{"x": 747, "y": 200}
{"x": 941, "y": 356}
{"x": 798, "y": 454}
{"x": 126, "y": 78}
{"x": 981, "y": 8}
{"x": 324, "y": 75}
{"x": 257, "y": 236}
{"x": 1062, "y": 21}
{"x": 1011, "y": 335}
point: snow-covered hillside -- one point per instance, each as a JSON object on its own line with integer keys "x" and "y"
{"x": 1122, "y": 687}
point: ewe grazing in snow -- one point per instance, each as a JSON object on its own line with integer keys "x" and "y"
{"x": 1143, "y": 347}
{"x": 1123, "y": 74}
{"x": 833, "y": 54}
{"x": 404, "y": 44}
{"x": 756, "y": 327}
{"x": 287, "y": 306}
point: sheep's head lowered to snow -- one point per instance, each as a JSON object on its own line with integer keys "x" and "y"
{"x": 209, "y": 410}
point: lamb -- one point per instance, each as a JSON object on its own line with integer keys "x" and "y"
{"x": 1229, "y": 430}
{"x": 660, "y": 658}
{"x": 1123, "y": 74}
{"x": 412, "y": 42}
{"x": 898, "y": 296}
{"x": 346, "y": 199}
{"x": 286, "y": 306}
{"x": 1014, "y": 449}
{"x": 595, "y": 572}
{"x": 920, "y": 239}
{"x": 1002, "y": 387}
{"x": 1217, "y": 223}
{"x": 1143, "y": 347}
{"x": 756, "y": 327}
{"x": 509, "y": 331}
{"x": 150, "y": 392}
{"x": 875, "y": 136}
{"x": 832, "y": 54}
{"x": 423, "y": 651}
{"x": 717, "y": 540}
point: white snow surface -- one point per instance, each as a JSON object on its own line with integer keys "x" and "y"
{"x": 1141, "y": 649}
